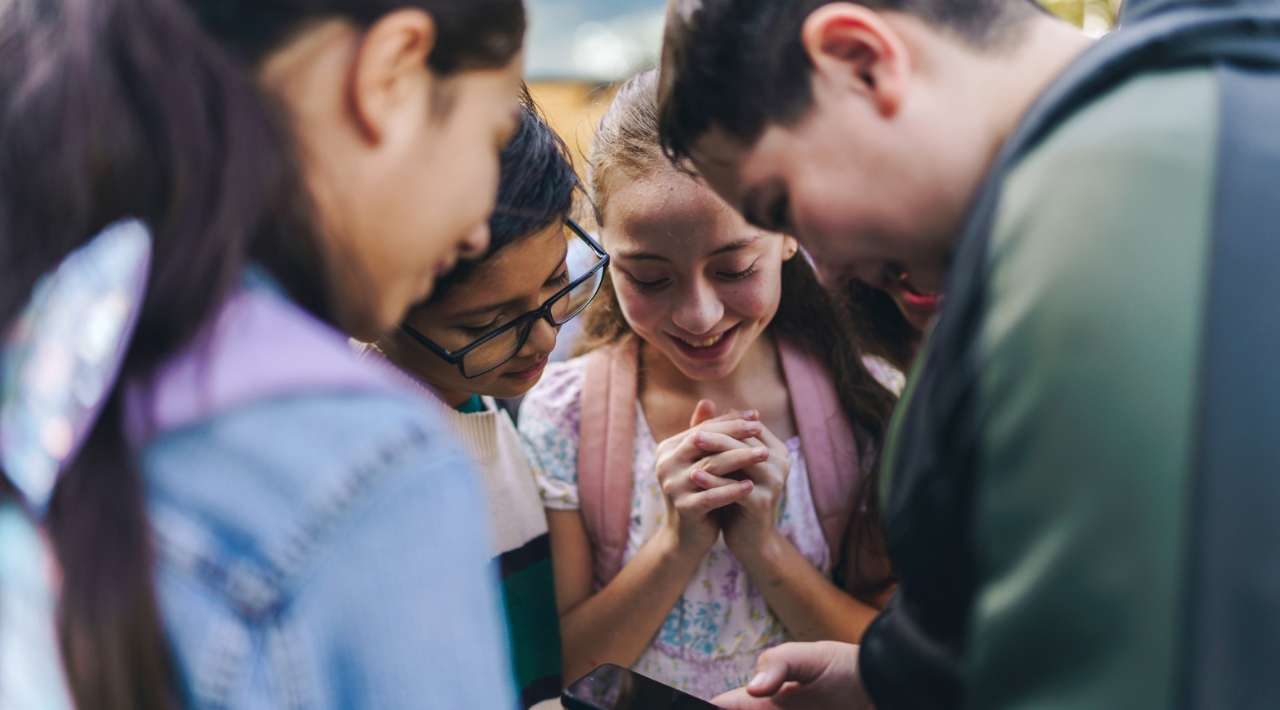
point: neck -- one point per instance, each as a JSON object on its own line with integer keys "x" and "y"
{"x": 453, "y": 398}
{"x": 392, "y": 351}
{"x": 1014, "y": 81}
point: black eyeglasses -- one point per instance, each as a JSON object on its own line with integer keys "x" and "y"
{"x": 494, "y": 349}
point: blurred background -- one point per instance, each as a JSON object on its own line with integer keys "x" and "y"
{"x": 580, "y": 49}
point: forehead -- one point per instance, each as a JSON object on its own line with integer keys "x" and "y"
{"x": 515, "y": 271}
{"x": 669, "y": 211}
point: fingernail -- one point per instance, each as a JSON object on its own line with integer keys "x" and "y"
{"x": 757, "y": 681}
{"x": 747, "y": 485}
{"x": 751, "y": 414}
{"x": 762, "y": 453}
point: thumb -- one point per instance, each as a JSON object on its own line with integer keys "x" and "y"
{"x": 802, "y": 663}
{"x": 705, "y": 410}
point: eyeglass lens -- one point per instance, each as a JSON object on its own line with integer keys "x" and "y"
{"x": 581, "y": 259}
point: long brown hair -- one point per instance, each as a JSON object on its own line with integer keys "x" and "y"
{"x": 808, "y": 316}
{"x": 149, "y": 109}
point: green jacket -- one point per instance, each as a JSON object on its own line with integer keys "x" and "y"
{"x": 1082, "y": 487}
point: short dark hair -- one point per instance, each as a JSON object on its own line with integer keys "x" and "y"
{"x": 536, "y": 188}
{"x": 739, "y": 65}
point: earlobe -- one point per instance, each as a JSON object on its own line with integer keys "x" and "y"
{"x": 790, "y": 248}
{"x": 856, "y": 50}
{"x": 389, "y": 72}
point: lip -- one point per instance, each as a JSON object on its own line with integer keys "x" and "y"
{"x": 896, "y": 279}
{"x": 710, "y": 354}
{"x": 529, "y": 374}
{"x": 923, "y": 301}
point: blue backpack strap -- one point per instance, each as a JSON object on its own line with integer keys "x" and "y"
{"x": 912, "y": 654}
{"x": 1233, "y": 650}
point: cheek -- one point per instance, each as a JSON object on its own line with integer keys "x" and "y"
{"x": 755, "y": 299}
{"x": 645, "y": 312}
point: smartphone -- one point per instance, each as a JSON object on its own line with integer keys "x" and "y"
{"x": 611, "y": 687}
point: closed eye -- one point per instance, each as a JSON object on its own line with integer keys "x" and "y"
{"x": 648, "y": 285}
{"x": 739, "y": 275}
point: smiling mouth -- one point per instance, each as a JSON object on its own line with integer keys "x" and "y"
{"x": 898, "y": 279}
{"x": 709, "y": 348}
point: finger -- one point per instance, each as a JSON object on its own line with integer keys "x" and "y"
{"x": 715, "y": 442}
{"x": 714, "y": 499}
{"x": 733, "y": 461}
{"x": 771, "y": 440}
{"x": 799, "y": 662}
{"x": 705, "y": 409}
{"x": 706, "y": 481}
{"x": 696, "y": 444}
{"x": 741, "y": 429}
{"x": 740, "y": 699}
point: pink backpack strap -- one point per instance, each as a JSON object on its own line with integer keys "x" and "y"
{"x": 827, "y": 441}
{"x": 606, "y": 448}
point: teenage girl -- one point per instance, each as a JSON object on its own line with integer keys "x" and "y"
{"x": 700, "y": 464}
{"x": 487, "y": 332}
{"x": 255, "y": 517}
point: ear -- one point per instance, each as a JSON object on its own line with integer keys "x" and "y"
{"x": 790, "y": 247}
{"x": 854, "y": 49}
{"x": 389, "y": 76}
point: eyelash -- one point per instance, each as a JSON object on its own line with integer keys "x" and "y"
{"x": 648, "y": 285}
{"x": 480, "y": 329}
{"x": 739, "y": 275}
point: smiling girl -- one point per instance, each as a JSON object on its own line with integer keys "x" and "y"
{"x": 700, "y": 464}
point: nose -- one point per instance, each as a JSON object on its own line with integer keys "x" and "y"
{"x": 699, "y": 309}
{"x": 476, "y": 242}
{"x": 541, "y": 341}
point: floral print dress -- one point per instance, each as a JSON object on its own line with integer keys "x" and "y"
{"x": 710, "y": 640}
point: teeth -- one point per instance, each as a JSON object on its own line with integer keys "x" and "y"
{"x": 705, "y": 342}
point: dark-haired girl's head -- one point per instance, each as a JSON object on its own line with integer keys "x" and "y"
{"x": 350, "y": 147}
{"x": 528, "y": 261}
{"x": 401, "y": 159}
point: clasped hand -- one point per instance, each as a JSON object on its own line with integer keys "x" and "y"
{"x": 727, "y": 474}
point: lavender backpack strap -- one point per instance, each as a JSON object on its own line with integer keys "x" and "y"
{"x": 827, "y": 441}
{"x": 259, "y": 346}
{"x": 606, "y": 447}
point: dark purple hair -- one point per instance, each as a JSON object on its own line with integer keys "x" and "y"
{"x": 149, "y": 109}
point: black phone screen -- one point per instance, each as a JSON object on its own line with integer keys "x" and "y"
{"x": 611, "y": 687}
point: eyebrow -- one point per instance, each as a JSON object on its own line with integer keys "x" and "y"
{"x": 736, "y": 245}
{"x": 481, "y": 310}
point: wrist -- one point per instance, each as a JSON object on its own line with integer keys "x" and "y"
{"x": 763, "y": 549}
{"x": 677, "y": 547}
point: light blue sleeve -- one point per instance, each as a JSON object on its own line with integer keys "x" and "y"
{"x": 414, "y": 614}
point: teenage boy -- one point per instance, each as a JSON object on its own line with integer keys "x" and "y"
{"x": 1080, "y": 489}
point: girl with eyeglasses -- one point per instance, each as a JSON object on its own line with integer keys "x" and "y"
{"x": 486, "y": 333}
{"x": 706, "y": 464}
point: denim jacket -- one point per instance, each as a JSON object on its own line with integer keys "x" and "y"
{"x": 319, "y": 543}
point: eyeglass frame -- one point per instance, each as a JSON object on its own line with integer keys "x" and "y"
{"x": 525, "y": 320}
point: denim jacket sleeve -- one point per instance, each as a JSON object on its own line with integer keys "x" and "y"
{"x": 326, "y": 552}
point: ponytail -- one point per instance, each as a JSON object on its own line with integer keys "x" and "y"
{"x": 112, "y": 109}
{"x": 148, "y": 109}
